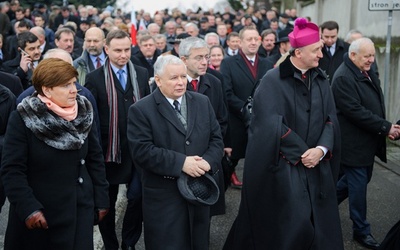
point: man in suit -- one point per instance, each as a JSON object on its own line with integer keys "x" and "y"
{"x": 147, "y": 55}
{"x": 40, "y": 33}
{"x": 195, "y": 54}
{"x": 65, "y": 39}
{"x": 116, "y": 86}
{"x": 93, "y": 56}
{"x": 283, "y": 46}
{"x": 170, "y": 28}
{"x": 334, "y": 49}
{"x": 40, "y": 21}
{"x": 28, "y": 58}
{"x": 361, "y": 113}
{"x": 233, "y": 44}
{"x": 63, "y": 17}
{"x": 241, "y": 73}
{"x": 268, "y": 47}
{"x": 173, "y": 132}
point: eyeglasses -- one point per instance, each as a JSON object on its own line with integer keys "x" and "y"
{"x": 201, "y": 58}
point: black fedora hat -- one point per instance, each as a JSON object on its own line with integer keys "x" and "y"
{"x": 283, "y": 36}
{"x": 179, "y": 38}
{"x": 201, "y": 190}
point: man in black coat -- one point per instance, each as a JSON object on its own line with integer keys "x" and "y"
{"x": 116, "y": 86}
{"x": 7, "y": 104}
{"x": 292, "y": 158}
{"x": 194, "y": 52}
{"x": 147, "y": 55}
{"x": 361, "y": 113}
{"x": 63, "y": 17}
{"x": 240, "y": 77}
{"x": 28, "y": 58}
{"x": 333, "y": 50}
{"x": 13, "y": 83}
{"x": 173, "y": 132}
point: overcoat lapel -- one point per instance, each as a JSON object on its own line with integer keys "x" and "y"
{"x": 167, "y": 111}
{"x": 204, "y": 85}
{"x": 242, "y": 65}
{"x": 191, "y": 109}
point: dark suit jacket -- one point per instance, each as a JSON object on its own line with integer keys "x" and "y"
{"x": 95, "y": 82}
{"x": 47, "y": 47}
{"x": 140, "y": 60}
{"x": 238, "y": 85}
{"x": 159, "y": 145}
{"x": 211, "y": 87}
{"x": 330, "y": 64}
{"x": 60, "y": 20}
{"x": 12, "y": 82}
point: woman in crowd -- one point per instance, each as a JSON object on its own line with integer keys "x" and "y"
{"x": 216, "y": 55}
{"x": 52, "y": 165}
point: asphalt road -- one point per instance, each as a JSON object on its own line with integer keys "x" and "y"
{"x": 383, "y": 208}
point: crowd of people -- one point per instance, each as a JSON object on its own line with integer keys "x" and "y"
{"x": 86, "y": 106}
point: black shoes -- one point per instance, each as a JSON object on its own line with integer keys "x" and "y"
{"x": 367, "y": 241}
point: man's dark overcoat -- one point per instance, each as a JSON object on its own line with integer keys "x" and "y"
{"x": 285, "y": 205}
{"x": 238, "y": 85}
{"x": 95, "y": 82}
{"x": 211, "y": 87}
{"x": 140, "y": 60}
{"x": 159, "y": 144}
{"x": 39, "y": 177}
{"x": 361, "y": 113}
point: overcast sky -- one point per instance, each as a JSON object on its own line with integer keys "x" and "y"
{"x": 152, "y": 6}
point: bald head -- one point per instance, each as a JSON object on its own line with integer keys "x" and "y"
{"x": 58, "y": 53}
{"x": 94, "y": 41}
{"x": 40, "y": 33}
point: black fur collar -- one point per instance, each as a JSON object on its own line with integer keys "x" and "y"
{"x": 54, "y": 130}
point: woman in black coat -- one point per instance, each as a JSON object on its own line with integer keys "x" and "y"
{"x": 52, "y": 166}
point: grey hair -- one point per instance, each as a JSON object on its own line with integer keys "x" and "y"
{"x": 210, "y": 35}
{"x": 160, "y": 36}
{"x": 356, "y": 45}
{"x": 163, "y": 61}
{"x": 191, "y": 43}
{"x": 191, "y": 25}
{"x": 350, "y": 33}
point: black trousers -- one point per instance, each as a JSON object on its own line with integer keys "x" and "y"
{"x": 132, "y": 225}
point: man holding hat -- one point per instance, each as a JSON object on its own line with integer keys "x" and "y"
{"x": 292, "y": 158}
{"x": 173, "y": 133}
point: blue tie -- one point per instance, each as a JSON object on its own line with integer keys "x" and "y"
{"x": 121, "y": 78}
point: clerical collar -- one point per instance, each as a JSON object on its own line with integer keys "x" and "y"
{"x": 303, "y": 71}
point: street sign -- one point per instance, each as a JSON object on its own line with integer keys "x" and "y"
{"x": 384, "y": 5}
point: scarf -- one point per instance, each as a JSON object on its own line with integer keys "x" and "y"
{"x": 114, "y": 150}
{"x": 68, "y": 114}
{"x": 54, "y": 130}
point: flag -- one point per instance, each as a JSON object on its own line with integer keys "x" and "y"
{"x": 133, "y": 27}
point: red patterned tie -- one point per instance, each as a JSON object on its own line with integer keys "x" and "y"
{"x": 366, "y": 74}
{"x": 98, "y": 62}
{"x": 194, "y": 84}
